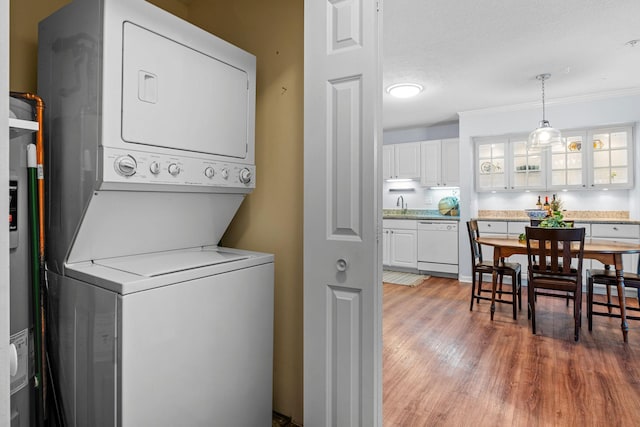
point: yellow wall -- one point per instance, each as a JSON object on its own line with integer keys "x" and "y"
{"x": 270, "y": 219}
{"x": 23, "y": 44}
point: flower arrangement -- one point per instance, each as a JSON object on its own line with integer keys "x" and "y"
{"x": 556, "y": 220}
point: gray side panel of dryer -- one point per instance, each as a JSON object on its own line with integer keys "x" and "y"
{"x": 69, "y": 66}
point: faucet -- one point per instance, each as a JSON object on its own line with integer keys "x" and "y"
{"x": 400, "y": 202}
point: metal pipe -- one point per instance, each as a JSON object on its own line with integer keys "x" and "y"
{"x": 35, "y": 278}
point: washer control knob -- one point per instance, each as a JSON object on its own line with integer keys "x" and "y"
{"x": 225, "y": 173}
{"x": 174, "y": 169}
{"x": 245, "y": 176}
{"x": 209, "y": 172}
{"x": 154, "y": 168}
{"x": 126, "y": 165}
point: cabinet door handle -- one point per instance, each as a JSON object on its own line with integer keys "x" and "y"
{"x": 615, "y": 228}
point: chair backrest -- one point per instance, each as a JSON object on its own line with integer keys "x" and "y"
{"x": 476, "y": 248}
{"x": 551, "y": 250}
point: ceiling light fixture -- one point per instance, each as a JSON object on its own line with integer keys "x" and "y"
{"x": 404, "y": 90}
{"x": 544, "y": 136}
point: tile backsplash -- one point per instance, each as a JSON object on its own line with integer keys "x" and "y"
{"x": 414, "y": 196}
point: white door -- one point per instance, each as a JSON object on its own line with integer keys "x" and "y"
{"x": 342, "y": 214}
{"x": 4, "y": 208}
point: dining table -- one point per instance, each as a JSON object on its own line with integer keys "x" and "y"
{"x": 608, "y": 252}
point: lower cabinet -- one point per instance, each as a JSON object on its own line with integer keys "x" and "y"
{"x": 400, "y": 243}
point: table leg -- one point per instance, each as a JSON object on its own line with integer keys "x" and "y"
{"x": 494, "y": 281}
{"x": 621, "y": 297}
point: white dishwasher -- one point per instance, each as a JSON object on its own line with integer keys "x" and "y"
{"x": 438, "y": 246}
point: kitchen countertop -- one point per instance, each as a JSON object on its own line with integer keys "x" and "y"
{"x": 417, "y": 214}
{"x": 588, "y": 217}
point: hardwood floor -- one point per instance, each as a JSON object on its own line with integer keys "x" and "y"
{"x": 446, "y": 366}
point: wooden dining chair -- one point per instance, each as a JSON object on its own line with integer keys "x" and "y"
{"x": 607, "y": 277}
{"x": 480, "y": 267}
{"x": 551, "y": 252}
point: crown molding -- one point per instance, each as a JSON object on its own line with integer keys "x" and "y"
{"x": 619, "y": 93}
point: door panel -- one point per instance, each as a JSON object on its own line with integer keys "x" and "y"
{"x": 342, "y": 215}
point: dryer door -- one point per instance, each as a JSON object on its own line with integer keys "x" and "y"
{"x": 176, "y": 97}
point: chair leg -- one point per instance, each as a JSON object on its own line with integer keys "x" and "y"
{"x": 608, "y": 298}
{"x": 532, "y": 308}
{"x": 577, "y": 313}
{"x": 520, "y": 291}
{"x": 479, "y": 290}
{"x": 514, "y": 294}
{"x": 473, "y": 290}
{"x": 590, "y": 303}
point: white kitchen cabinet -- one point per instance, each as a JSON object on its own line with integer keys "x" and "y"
{"x": 386, "y": 246}
{"x": 611, "y": 157}
{"x": 401, "y": 161}
{"x": 596, "y": 158}
{"x": 491, "y": 229}
{"x": 620, "y": 232}
{"x": 440, "y": 163}
{"x": 568, "y": 162}
{"x": 401, "y": 244}
{"x": 491, "y": 164}
{"x": 388, "y": 157}
{"x": 527, "y": 172}
{"x": 627, "y": 233}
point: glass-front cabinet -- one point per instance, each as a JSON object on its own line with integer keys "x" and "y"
{"x": 567, "y": 161}
{"x": 491, "y": 157}
{"x": 527, "y": 172}
{"x": 611, "y": 157}
{"x": 597, "y": 158}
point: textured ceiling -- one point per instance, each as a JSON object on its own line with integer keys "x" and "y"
{"x": 474, "y": 54}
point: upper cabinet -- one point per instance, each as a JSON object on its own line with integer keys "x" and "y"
{"x": 401, "y": 161}
{"x": 588, "y": 159}
{"x": 527, "y": 172}
{"x": 568, "y": 166}
{"x": 491, "y": 164}
{"x": 440, "y": 163}
{"x": 611, "y": 158}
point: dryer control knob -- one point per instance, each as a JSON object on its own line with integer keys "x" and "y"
{"x": 209, "y": 172}
{"x": 245, "y": 176}
{"x": 174, "y": 169}
{"x": 154, "y": 168}
{"x": 225, "y": 173}
{"x": 126, "y": 165}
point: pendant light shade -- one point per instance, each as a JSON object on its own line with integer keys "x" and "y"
{"x": 544, "y": 136}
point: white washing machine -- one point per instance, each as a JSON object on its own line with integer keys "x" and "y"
{"x": 149, "y": 129}
{"x": 177, "y": 338}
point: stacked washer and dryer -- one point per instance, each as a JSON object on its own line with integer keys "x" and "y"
{"x": 149, "y": 132}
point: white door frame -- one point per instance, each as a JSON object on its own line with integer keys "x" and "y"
{"x": 342, "y": 213}
{"x": 4, "y": 208}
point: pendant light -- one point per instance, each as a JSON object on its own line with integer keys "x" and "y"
{"x": 544, "y": 136}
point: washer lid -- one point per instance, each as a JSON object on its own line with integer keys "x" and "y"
{"x": 158, "y": 264}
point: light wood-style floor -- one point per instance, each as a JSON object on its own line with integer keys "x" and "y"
{"x": 446, "y": 366}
